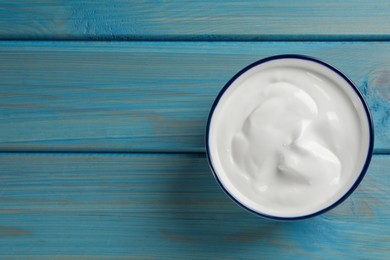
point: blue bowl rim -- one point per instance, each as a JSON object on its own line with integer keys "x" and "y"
{"x": 352, "y": 85}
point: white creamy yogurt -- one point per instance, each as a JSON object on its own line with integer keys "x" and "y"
{"x": 289, "y": 137}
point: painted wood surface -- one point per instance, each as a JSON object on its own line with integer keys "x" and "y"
{"x": 195, "y": 20}
{"x": 84, "y": 96}
{"x": 169, "y": 206}
{"x": 115, "y": 97}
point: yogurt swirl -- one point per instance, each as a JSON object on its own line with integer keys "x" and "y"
{"x": 281, "y": 146}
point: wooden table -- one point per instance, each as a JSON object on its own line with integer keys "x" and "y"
{"x": 103, "y": 107}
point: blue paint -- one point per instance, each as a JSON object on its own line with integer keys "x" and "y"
{"x": 114, "y": 98}
{"x": 168, "y": 206}
{"x": 142, "y": 96}
{"x": 200, "y": 20}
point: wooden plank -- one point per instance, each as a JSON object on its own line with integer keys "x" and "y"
{"x": 169, "y": 206}
{"x": 145, "y": 96}
{"x": 195, "y": 20}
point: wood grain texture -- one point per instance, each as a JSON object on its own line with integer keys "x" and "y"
{"x": 195, "y": 20}
{"x": 66, "y": 96}
{"x": 169, "y": 206}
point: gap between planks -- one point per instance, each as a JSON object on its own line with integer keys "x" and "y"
{"x": 211, "y": 38}
{"x": 198, "y": 154}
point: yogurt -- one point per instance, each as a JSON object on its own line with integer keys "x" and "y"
{"x": 289, "y": 137}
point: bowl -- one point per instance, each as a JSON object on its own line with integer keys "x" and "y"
{"x": 289, "y": 137}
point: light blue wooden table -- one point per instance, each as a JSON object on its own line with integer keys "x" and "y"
{"x": 103, "y": 107}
